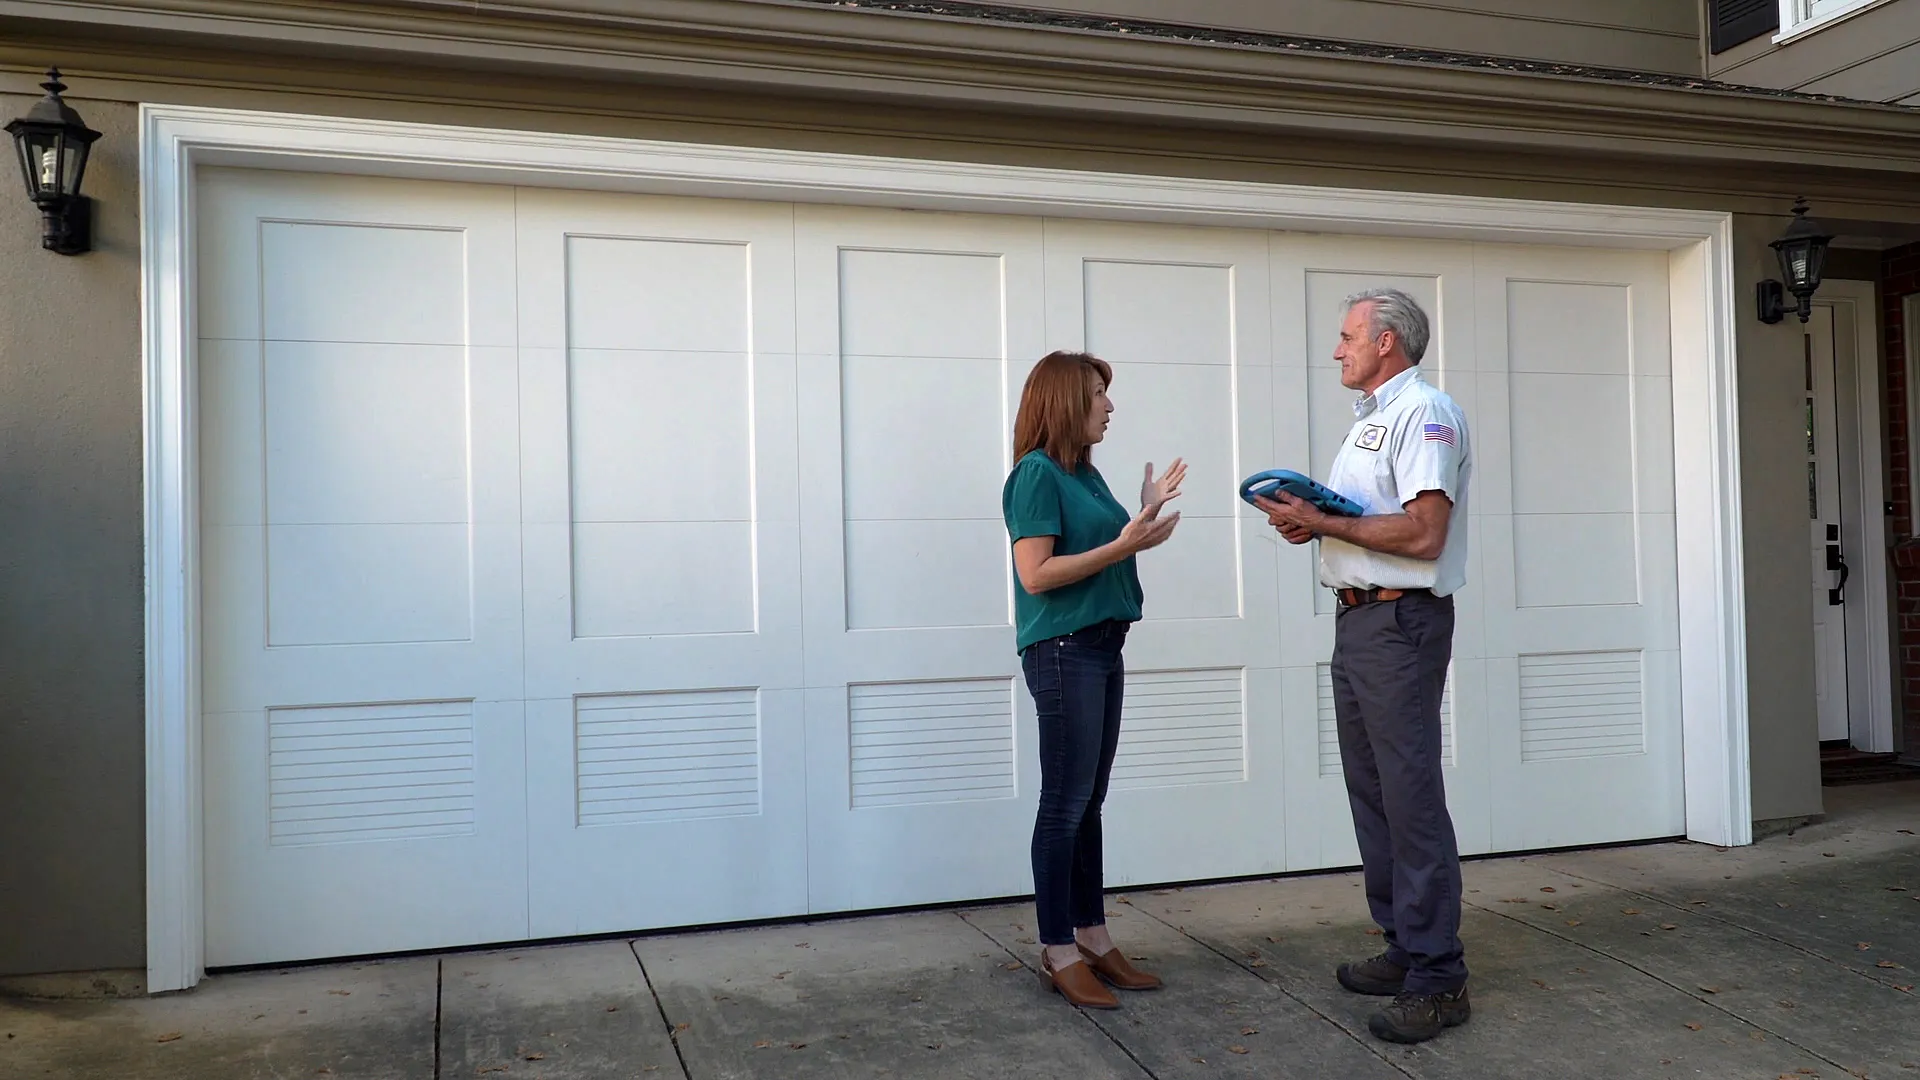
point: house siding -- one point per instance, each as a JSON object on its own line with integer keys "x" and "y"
{"x": 1636, "y": 35}
{"x": 1871, "y": 56}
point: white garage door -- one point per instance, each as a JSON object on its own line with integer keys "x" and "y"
{"x": 579, "y": 563}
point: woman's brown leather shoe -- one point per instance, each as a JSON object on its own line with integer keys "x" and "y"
{"x": 1078, "y": 985}
{"x": 1115, "y": 968}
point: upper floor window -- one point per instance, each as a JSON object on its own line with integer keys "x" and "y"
{"x": 1801, "y": 16}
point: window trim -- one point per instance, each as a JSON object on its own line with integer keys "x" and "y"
{"x": 1797, "y": 18}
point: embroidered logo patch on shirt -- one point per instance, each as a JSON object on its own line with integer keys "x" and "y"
{"x": 1372, "y": 437}
{"x": 1439, "y": 433}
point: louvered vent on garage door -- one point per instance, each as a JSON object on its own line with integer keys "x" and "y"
{"x": 1731, "y": 22}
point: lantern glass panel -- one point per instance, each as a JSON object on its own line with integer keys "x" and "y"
{"x": 1816, "y": 262}
{"x": 1795, "y": 258}
{"x": 29, "y": 164}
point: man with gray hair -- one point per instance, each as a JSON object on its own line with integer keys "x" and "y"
{"x": 1395, "y": 569}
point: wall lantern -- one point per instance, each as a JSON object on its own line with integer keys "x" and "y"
{"x": 1803, "y": 257}
{"x": 54, "y": 142}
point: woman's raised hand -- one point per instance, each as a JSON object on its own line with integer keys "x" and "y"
{"x": 1146, "y": 531}
{"x": 1156, "y": 493}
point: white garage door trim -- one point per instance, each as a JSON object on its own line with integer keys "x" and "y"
{"x": 176, "y": 140}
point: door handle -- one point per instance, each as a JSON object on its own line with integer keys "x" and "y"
{"x": 1837, "y": 595}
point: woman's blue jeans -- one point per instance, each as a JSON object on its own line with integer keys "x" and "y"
{"x": 1076, "y": 682}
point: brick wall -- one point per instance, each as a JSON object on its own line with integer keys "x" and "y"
{"x": 1901, "y": 277}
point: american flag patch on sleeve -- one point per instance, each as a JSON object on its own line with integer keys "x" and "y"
{"x": 1439, "y": 433}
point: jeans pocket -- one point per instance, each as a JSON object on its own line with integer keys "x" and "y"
{"x": 1041, "y": 666}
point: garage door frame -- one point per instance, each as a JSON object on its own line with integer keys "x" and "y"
{"x": 176, "y": 140}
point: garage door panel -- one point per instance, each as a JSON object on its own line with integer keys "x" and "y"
{"x": 1184, "y": 315}
{"x": 907, "y": 323}
{"x": 242, "y": 672}
{"x": 659, "y": 808}
{"x": 1653, "y": 418}
{"x": 1579, "y": 563}
{"x": 883, "y": 309}
{"x": 921, "y": 790}
{"x": 1195, "y": 776}
{"x": 232, "y": 452}
{"x": 1593, "y": 726}
{"x": 634, "y": 592}
{"x": 657, "y": 396}
{"x": 891, "y": 470}
{"x": 348, "y": 829}
{"x": 661, "y": 436}
{"x": 1319, "y": 816}
{"x": 1128, "y": 302}
{"x": 911, "y": 328}
{"x": 923, "y": 575}
{"x": 1312, "y": 278}
{"x": 603, "y": 271}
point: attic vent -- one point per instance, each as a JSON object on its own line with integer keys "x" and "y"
{"x": 1731, "y": 22}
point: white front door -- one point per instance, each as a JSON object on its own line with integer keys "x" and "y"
{"x": 1825, "y": 529}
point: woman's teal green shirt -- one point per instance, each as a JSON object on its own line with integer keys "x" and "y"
{"x": 1076, "y": 509}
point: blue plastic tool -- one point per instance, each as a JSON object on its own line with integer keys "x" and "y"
{"x": 1266, "y": 484}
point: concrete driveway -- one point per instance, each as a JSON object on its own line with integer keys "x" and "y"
{"x": 1796, "y": 957}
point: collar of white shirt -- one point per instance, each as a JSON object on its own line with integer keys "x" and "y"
{"x": 1388, "y": 390}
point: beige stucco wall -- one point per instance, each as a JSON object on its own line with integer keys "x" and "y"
{"x": 1784, "y": 729}
{"x": 71, "y": 734}
{"x": 71, "y": 749}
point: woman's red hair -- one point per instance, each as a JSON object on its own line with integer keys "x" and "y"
{"x": 1055, "y": 408}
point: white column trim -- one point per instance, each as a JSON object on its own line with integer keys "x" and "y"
{"x": 175, "y": 140}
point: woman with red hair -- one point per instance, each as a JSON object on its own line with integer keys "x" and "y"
{"x": 1073, "y": 550}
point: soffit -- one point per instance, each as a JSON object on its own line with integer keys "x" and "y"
{"x": 924, "y": 59}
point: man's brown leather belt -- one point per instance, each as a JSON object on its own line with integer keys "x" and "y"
{"x": 1357, "y": 597}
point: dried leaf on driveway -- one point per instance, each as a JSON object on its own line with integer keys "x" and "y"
{"x": 1237, "y": 1050}
{"x": 171, "y": 1036}
{"x": 763, "y": 1044}
{"x": 1863, "y": 946}
{"x": 1013, "y": 965}
{"x": 1691, "y": 1026}
{"x": 1886, "y": 964}
{"x": 1629, "y": 911}
{"x": 1548, "y": 888}
{"x": 1573, "y": 922}
{"x": 536, "y": 1056}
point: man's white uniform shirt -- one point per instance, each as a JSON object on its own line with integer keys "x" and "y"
{"x": 1408, "y": 437}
